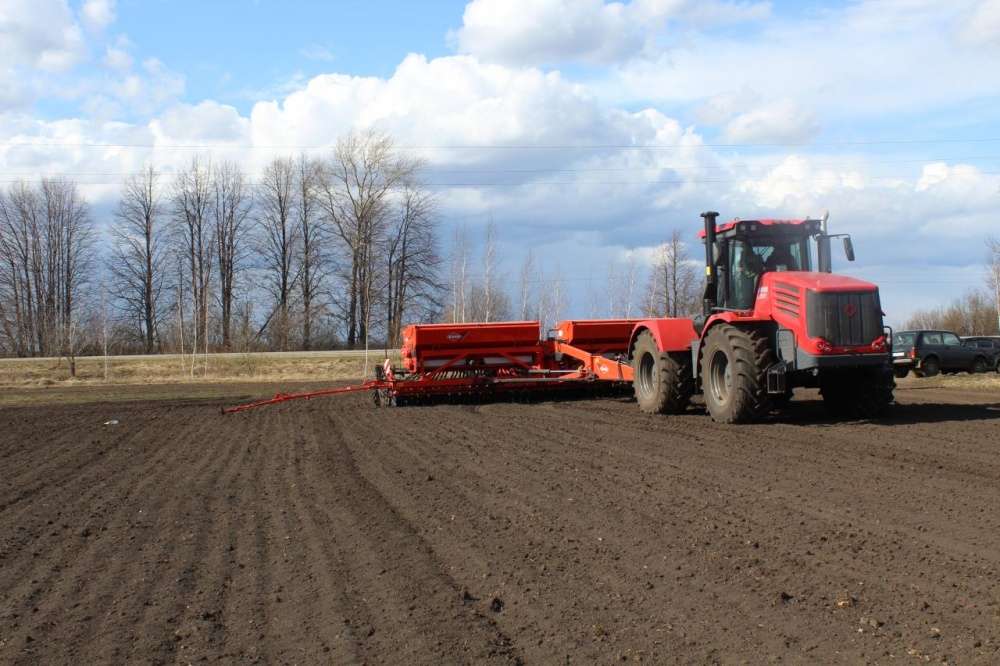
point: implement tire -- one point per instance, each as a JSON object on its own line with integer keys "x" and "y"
{"x": 863, "y": 393}
{"x": 734, "y": 363}
{"x": 663, "y": 383}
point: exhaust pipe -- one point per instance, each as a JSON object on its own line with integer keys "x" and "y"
{"x": 823, "y": 254}
{"x": 710, "y": 298}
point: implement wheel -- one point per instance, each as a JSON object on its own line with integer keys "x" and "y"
{"x": 663, "y": 383}
{"x": 733, "y": 366}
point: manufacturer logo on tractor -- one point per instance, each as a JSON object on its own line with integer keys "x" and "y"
{"x": 850, "y": 309}
{"x": 455, "y": 337}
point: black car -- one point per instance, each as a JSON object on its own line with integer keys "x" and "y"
{"x": 989, "y": 344}
{"x": 928, "y": 353}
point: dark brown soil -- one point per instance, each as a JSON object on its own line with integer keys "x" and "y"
{"x": 330, "y": 531}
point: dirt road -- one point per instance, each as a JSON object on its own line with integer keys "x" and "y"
{"x": 334, "y": 532}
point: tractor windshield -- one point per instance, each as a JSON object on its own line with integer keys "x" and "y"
{"x": 748, "y": 261}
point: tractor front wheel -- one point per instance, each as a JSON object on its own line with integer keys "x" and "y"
{"x": 734, "y": 363}
{"x": 663, "y": 383}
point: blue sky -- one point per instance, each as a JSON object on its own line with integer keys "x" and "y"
{"x": 234, "y": 48}
{"x": 588, "y": 130}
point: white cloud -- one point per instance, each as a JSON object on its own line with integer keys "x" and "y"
{"x": 542, "y": 185}
{"x": 869, "y": 58}
{"x": 451, "y": 101}
{"x": 782, "y": 121}
{"x": 148, "y": 89}
{"x": 118, "y": 58}
{"x": 205, "y": 123}
{"x": 540, "y": 32}
{"x": 982, "y": 27}
{"x": 714, "y": 12}
{"x": 317, "y": 52}
{"x": 98, "y": 14}
{"x": 40, "y": 33}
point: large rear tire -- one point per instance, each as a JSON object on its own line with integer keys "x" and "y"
{"x": 663, "y": 383}
{"x": 863, "y": 393}
{"x": 734, "y": 363}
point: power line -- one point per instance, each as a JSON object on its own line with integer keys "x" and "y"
{"x": 576, "y": 183}
{"x": 662, "y": 167}
{"x": 204, "y": 146}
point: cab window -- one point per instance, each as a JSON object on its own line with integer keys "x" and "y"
{"x": 932, "y": 338}
{"x": 745, "y": 268}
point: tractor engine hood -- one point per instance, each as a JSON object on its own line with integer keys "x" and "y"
{"x": 818, "y": 282}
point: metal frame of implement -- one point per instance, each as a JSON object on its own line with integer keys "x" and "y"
{"x": 486, "y": 359}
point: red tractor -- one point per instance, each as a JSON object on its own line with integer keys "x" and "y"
{"x": 770, "y": 323}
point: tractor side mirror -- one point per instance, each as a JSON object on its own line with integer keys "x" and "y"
{"x": 848, "y": 248}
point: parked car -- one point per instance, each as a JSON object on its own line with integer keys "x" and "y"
{"x": 928, "y": 353}
{"x": 987, "y": 343}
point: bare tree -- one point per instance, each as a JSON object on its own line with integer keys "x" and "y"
{"x": 19, "y": 215}
{"x": 499, "y": 303}
{"x": 972, "y": 314}
{"x": 356, "y": 189}
{"x": 488, "y": 300}
{"x": 192, "y": 202}
{"x": 71, "y": 231}
{"x": 312, "y": 239}
{"x": 459, "y": 278}
{"x": 412, "y": 261}
{"x": 593, "y": 299}
{"x": 139, "y": 255}
{"x": 612, "y": 289}
{"x": 673, "y": 287}
{"x": 993, "y": 273}
{"x": 278, "y": 242}
{"x": 489, "y": 271}
{"x": 629, "y": 277}
{"x": 46, "y": 259}
{"x": 232, "y": 202}
{"x": 528, "y": 280}
{"x": 552, "y": 298}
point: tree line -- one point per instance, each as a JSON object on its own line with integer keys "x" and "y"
{"x": 667, "y": 284}
{"x": 314, "y": 253}
{"x": 976, "y": 312}
{"x": 311, "y": 254}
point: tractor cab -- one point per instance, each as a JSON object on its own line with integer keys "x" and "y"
{"x": 741, "y": 251}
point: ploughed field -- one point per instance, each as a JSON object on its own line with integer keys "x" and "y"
{"x": 330, "y": 531}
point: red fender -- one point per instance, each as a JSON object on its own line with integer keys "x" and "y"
{"x": 671, "y": 335}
